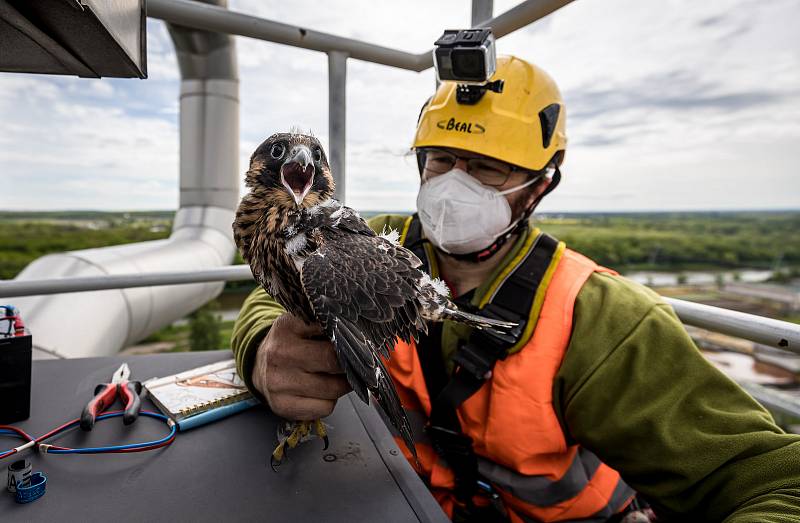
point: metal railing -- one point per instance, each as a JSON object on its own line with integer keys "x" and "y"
{"x": 774, "y": 333}
{"x": 220, "y": 20}
{"x": 206, "y": 17}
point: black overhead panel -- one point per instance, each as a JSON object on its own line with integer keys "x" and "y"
{"x": 89, "y": 38}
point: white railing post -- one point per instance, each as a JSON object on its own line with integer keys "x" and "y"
{"x": 337, "y": 119}
{"x": 481, "y": 11}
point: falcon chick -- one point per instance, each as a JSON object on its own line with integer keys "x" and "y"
{"x": 323, "y": 263}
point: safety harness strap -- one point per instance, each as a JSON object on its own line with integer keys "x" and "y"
{"x": 475, "y": 360}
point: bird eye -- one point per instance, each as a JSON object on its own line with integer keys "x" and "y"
{"x": 317, "y": 154}
{"x": 277, "y": 151}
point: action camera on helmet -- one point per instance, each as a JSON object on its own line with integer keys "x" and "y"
{"x": 466, "y": 56}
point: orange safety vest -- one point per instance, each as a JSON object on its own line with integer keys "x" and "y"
{"x": 516, "y": 435}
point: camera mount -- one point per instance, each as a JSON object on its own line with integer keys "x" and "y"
{"x": 470, "y": 94}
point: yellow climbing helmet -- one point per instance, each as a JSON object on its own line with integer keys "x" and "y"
{"x": 525, "y": 125}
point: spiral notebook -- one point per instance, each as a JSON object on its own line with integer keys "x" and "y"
{"x": 198, "y": 396}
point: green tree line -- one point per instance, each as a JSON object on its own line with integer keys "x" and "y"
{"x": 677, "y": 241}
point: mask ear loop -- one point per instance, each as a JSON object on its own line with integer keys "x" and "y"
{"x": 520, "y": 225}
{"x": 520, "y": 186}
{"x": 554, "y": 181}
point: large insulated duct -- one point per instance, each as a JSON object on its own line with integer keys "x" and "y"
{"x": 102, "y": 322}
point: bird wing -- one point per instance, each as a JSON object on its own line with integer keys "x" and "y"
{"x": 363, "y": 290}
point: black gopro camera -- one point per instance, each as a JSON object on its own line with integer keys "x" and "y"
{"x": 466, "y": 56}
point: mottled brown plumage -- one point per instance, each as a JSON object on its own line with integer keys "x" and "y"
{"x": 322, "y": 262}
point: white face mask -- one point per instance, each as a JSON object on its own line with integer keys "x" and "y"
{"x": 460, "y": 215}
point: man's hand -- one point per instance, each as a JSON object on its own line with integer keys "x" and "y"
{"x": 297, "y": 371}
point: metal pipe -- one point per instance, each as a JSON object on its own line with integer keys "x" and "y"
{"x": 122, "y": 281}
{"x": 210, "y": 18}
{"x": 521, "y": 15}
{"x": 209, "y": 115}
{"x": 775, "y": 333}
{"x": 337, "y": 118}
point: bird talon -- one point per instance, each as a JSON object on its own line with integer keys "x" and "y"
{"x": 322, "y": 432}
{"x": 277, "y": 456}
{"x": 294, "y": 433}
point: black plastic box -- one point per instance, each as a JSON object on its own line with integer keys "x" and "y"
{"x": 15, "y": 378}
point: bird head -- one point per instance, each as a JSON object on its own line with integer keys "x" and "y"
{"x": 291, "y": 170}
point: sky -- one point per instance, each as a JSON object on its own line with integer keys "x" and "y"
{"x": 672, "y": 105}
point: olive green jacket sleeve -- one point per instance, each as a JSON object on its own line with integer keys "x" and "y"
{"x": 634, "y": 389}
{"x": 259, "y": 310}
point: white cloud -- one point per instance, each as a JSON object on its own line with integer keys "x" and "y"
{"x": 677, "y": 104}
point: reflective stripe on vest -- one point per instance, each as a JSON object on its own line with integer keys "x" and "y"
{"x": 516, "y": 434}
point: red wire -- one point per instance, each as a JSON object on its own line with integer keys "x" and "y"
{"x": 21, "y": 433}
{"x": 63, "y": 427}
{"x": 142, "y": 449}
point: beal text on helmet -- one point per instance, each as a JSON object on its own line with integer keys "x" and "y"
{"x": 462, "y": 127}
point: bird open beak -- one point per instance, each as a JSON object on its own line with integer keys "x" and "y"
{"x": 297, "y": 173}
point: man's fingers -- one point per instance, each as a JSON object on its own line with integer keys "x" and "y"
{"x": 309, "y": 385}
{"x": 299, "y": 376}
{"x": 301, "y": 328}
{"x": 319, "y": 356}
{"x": 308, "y": 355}
{"x": 300, "y": 408}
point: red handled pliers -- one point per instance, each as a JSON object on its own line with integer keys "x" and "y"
{"x": 106, "y": 393}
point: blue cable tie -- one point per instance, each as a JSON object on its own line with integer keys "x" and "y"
{"x": 33, "y": 490}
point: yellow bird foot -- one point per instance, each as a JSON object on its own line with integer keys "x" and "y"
{"x": 292, "y": 433}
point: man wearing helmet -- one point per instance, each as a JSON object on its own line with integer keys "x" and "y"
{"x": 599, "y": 392}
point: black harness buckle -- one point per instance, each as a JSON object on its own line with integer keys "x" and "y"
{"x": 498, "y": 312}
{"x": 487, "y": 346}
{"x": 474, "y": 361}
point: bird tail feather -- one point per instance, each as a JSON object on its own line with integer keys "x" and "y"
{"x": 367, "y": 372}
{"x": 477, "y": 321}
{"x": 387, "y": 398}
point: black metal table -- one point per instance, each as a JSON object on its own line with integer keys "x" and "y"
{"x": 218, "y": 472}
